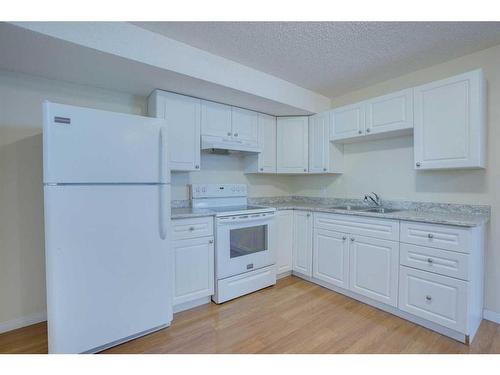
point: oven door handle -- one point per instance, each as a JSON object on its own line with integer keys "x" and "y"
{"x": 245, "y": 219}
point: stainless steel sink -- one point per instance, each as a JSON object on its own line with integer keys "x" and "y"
{"x": 349, "y": 208}
{"x": 382, "y": 210}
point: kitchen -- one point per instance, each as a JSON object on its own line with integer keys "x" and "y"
{"x": 377, "y": 203}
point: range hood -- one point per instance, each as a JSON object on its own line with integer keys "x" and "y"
{"x": 221, "y": 143}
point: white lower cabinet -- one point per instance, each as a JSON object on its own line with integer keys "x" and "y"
{"x": 302, "y": 242}
{"x": 283, "y": 240}
{"x": 440, "y": 299}
{"x": 331, "y": 257}
{"x": 373, "y": 268}
{"x": 193, "y": 268}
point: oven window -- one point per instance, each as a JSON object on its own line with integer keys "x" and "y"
{"x": 248, "y": 240}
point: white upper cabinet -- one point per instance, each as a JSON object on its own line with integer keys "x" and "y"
{"x": 390, "y": 112}
{"x": 324, "y": 157}
{"x": 264, "y": 161}
{"x": 182, "y": 114}
{"x": 215, "y": 119}
{"x": 348, "y": 122}
{"x": 245, "y": 125}
{"x": 292, "y": 144}
{"x": 450, "y": 123}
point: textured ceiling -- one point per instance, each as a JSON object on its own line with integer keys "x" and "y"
{"x": 333, "y": 58}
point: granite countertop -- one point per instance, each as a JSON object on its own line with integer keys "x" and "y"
{"x": 435, "y": 213}
{"x": 189, "y": 212}
{"x": 448, "y": 218}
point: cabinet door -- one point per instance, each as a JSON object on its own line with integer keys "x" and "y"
{"x": 331, "y": 257}
{"x": 302, "y": 242}
{"x": 390, "y": 112}
{"x": 450, "y": 125}
{"x": 348, "y": 121}
{"x": 183, "y": 116}
{"x": 267, "y": 143}
{"x": 292, "y": 144}
{"x": 193, "y": 269}
{"x": 215, "y": 119}
{"x": 319, "y": 143}
{"x": 283, "y": 235}
{"x": 374, "y": 266}
{"x": 245, "y": 125}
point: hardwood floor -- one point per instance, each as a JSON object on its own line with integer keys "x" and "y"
{"x": 295, "y": 316}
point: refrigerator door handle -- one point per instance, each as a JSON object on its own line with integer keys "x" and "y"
{"x": 164, "y": 214}
{"x": 163, "y": 162}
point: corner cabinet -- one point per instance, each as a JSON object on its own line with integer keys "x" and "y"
{"x": 450, "y": 123}
{"x": 182, "y": 114}
{"x": 292, "y": 144}
{"x": 324, "y": 157}
{"x": 264, "y": 161}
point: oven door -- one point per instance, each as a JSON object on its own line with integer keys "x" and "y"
{"x": 243, "y": 243}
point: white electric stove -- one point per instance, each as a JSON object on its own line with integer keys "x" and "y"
{"x": 244, "y": 250}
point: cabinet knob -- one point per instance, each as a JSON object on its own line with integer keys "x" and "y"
{"x": 305, "y": 170}
{"x": 360, "y": 132}
{"x": 210, "y": 241}
{"x": 417, "y": 164}
{"x": 430, "y": 235}
{"x": 308, "y": 215}
{"x": 197, "y": 166}
{"x": 235, "y": 134}
{"x": 368, "y": 130}
{"x": 324, "y": 169}
{"x": 191, "y": 229}
{"x": 430, "y": 260}
{"x": 352, "y": 239}
{"x": 261, "y": 169}
{"x": 428, "y": 298}
{"x": 229, "y": 133}
{"x": 344, "y": 238}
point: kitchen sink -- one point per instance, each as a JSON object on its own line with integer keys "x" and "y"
{"x": 350, "y": 208}
{"x": 382, "y": 210}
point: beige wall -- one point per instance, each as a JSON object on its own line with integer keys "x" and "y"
{"x": 22, "y": 272}
{"x": 386, "y": 166}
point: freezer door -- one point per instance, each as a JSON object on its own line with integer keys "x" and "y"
{"x": 82, "y": 145}
{"x": 109, "y": 272}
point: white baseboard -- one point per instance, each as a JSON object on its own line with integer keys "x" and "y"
{"x": 23, "y": 321}
{"x": 492, "y": 316}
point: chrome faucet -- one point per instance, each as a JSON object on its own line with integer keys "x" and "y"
{"x": 373, "y": 198}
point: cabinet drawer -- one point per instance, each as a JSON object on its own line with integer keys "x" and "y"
{"x": 435, "y": 235}
{"x": 440, "y": 299}
{"x": 192, "y": 228}
{"x": 443, "y": 262}
{"x": 371, "y": 227}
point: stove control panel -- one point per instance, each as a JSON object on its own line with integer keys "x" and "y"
{"x": 217, "y": 190}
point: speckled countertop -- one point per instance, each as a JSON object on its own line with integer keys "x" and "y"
{"x": 448, "y": 218}
{"x": 435, "y": 213}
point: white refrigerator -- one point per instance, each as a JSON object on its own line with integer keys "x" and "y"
{"x": 107, "y": 227}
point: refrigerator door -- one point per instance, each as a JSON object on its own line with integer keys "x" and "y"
{"x": 83, "y": 145}
{"x": 108, "y": 264}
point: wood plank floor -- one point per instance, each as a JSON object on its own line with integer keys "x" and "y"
{"x": 295, "y": 316}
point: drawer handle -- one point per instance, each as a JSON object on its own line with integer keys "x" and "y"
{"x": 191, "y": 229}
{"x": 430, "y": 260}
{"x": 430, "y": 235}
{"x": 428, "y": 298}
